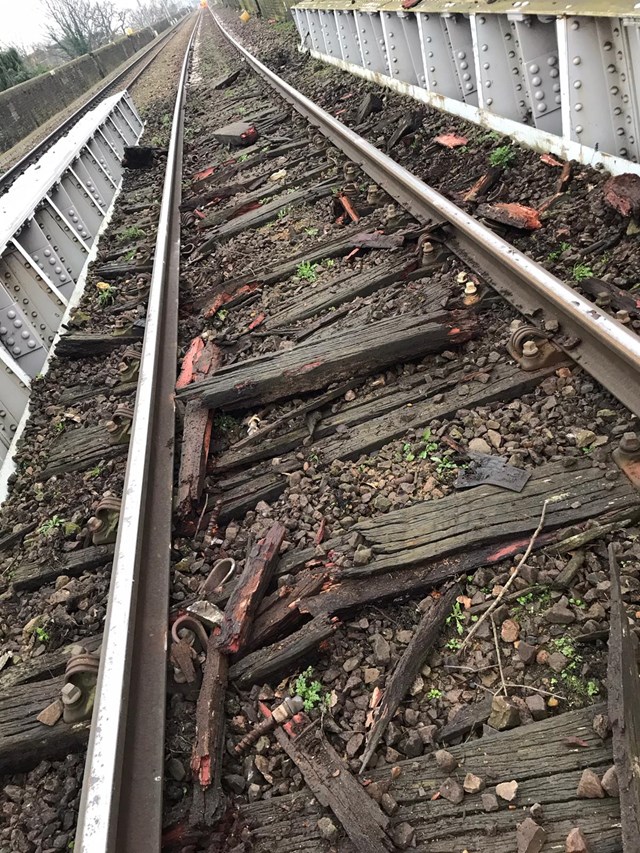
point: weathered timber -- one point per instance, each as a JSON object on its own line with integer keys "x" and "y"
{"x": 109, "y": 272}
{"x": 79, "y": 449}
{"x": 504, "y": 382}
{"x": 33, "y": 575}
{"x": 280, "y": 612}
{"x": 313, "y": 366}
{"x": 336, "y": 788}
{"x": 265, "y": 213}
{"x": 87, "y": 344}
{"x": 206, "y": 760}
{"x": 258, "y": 195}
{"x": 44, "y": 666}
{"x": 78, "y": 393}
{"x": 566, "y": 576}
{"x": 619, "y": 299}
{"x": 11, "y": 538}
{"x": 196, "y": 438}
{"x": 623, "y": 684}
{"x": 408, "y": 667}
{"x": 345, "y": 594}
{"x": 24, "y": 742}
{"x": 482, "y": 186}
{"x": 434, "y": 529}
{"x": 249, "y": 590}
{"x": 284, "y": 656}
{"x": 469, "y": 719}
{"x": 539, "y": 756}
{"x": 346, "y": 288}
{"x": 226, "y": 79}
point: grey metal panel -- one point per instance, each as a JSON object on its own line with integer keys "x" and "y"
{"x": 81, "y": 204}
{"x": 501, "y": 83}
{"x": 18, "y": 330}
{"x": 600, "y": 109}
{"x": 30, "y": 285}
{"x": 315, "y": 31}
{"x": 440, "y": 70}
{"x": 402, "y": 42}
{"x": 461, "y": 42}
{"x": 372, "y": 42}
{"x": 14, "y": 395}
{"x": 348, "y": 35}
{"x": 330, "y": 34}
{"x": 538, "y": 44}
{"x": 58, "y": 238}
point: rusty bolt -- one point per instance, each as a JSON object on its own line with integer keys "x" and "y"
{"x": 603, "y": 299}
{"x": 470, "y": 289}
{"x": 623, "y": 317}
{"x": 530, "y": 349}
{"x": 71, "y": 694}
{"x": 630, "y": 443}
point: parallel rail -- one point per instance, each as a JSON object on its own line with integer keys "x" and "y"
{"x": 603, "y": 346}
{"x": 121, "y": 805}
{"x": 145, "y": 56}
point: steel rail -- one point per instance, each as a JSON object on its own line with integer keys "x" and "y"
{"x": 601, "y": 345}
{"x": 7, "y": 177}
{"x": 121, "y": 803}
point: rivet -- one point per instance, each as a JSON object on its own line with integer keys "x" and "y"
{"x": 579, "y": 128}
{"x": 488, "y": 84}
{"x": 537, "y": 81}
{"x": 576, "y": 60}
{"x": 554, "y": 73}
{"x": 534, "y": 69}
{"x": 464, "y": 65}
{"x": 578, "y": 107}
{"x": 486, "y": 66}
{"x": 542, "y": 108}
{"x": 462, "y": 55}
{"x": 489, "y": 101}
{"x": 466, "y": 76}
{"x": 552, "y": 60}
{"x": 577, "y": 84}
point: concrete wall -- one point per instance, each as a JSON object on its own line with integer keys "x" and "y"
{"x": 25, "y": 107}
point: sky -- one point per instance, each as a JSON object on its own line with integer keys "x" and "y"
{"x": 22, "y": 21}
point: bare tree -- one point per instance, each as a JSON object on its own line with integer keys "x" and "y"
{"x": 80, "y": 26}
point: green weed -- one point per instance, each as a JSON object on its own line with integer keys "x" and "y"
{"x": 456, "y": 617}
{"x": 307, "y": 271}
{"x": 581, "y": 271}
{"x": 95, "y": 472}
{"x": 309, "y": 691}
{"x": 553, "y": 256}
{"x": 242, "y": 158}
{"x": 311, "y": 232}
{"x": 131, "y": 233}
{"x": 453, "y": 644}
{"x": 434, "y": 693}
{"x": 51, "y": 524}
{"x": 502, "y": 156}
{"x": 42, "y": 636}
{"x": 285, "y": 211}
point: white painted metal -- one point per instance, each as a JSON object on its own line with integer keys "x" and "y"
{"x": 49, "y": 219}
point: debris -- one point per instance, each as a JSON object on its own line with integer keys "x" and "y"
{"x": 468, "y": 719}
{"x": 328, "y": 829}
{"x": 51, "y": 714}
{"x": 550, "y": 160}
{"x": 530, "y": 836}
{"x": 490, "y": 470}
{"x": 410, "y": 122}
{"x": 336, "y": 788}
{"x": 263, "y": 664}
{"x": 408, "y": 667}
{"x": 138, "y": 157}
{"x": 489, "y": 802}
{"x": 602, "y": 726}
{"x": 247, "y": 594}
{"x": 377, "y": 240}
{"x": 536, "y": 706}
{"x": 389, "y": 805}
{"x": 507, "y": 790}
{"x": 576, "y": 842}
{"x": 371, "y": 103}
{"x": 473, "y": 784}
{"x": 452, "y": 790}
{"x": 503, "y": 715}
{"x": 483, "y": 184}
{"x": 445, "y": 760}
{"x": 404, "y": 836}
{"x": 451, "y": 140}
{"x": 509, "y": 631}
{"x": 283, "y": 712}
{"x": 226, "y": 79}
{"x": 512, "y": 214}
{"x": 381, "y": 649}
{"x": 622, "y": 193}
{"x": 623, "y": 682}
{"x": 206, "y": 757}
{"x": 589, "y": 786}
{"x": 237, "y": 134}
{"x": 526, "y": 652}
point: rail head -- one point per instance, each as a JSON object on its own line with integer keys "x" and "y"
{"x": 602, "y": 345}
{"x": 101, "y": 803}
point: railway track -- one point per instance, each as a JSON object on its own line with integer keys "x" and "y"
{"x": 348, "y": 365}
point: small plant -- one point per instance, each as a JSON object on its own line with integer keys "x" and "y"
{"x": 51, "y": 524}
{"x": 222, "y": 313}
{"x": 444, "y": 464}
{"x": 59, "y": 426}
{"x": 224, "y": 423}
{"x": 311, "y": 232}
{"x": 581, "y": 271}
{"x": 503, "y": 156}
{"x": 434, "y": 693}
{"x": 131, "y": 233}
{"x": 309, "y": 691}
{"x": 166, "y": 120}
{"x": 592, "y": 688}
{"x": 284, "y": 211}
{"x": 106, "y": 294}
{"x": 577, "y": 602}
{"x": 456, "y": 617}
{"x": 95, "y": 472}
{"x": 307, "y": 271}
{"x": 42, "y": 636}
{"x": 129, "y": 254}
{"x": 553, "y": 256}
{"x": 409, "y": 455}
{"x": 453, "y": 644}
{"x": 242, "y": 158}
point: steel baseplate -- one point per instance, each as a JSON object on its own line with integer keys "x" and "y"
{"x": 553, "y": 80}
{"x": 49, "y": 220}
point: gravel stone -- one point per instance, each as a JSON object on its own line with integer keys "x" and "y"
{"x": 589, "y": 786}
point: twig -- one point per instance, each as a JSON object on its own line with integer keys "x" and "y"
{"x": 510, "y": 580}
{"x": 499, "y": 656}
{"x": 536, "y": 690}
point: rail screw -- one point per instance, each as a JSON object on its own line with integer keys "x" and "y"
{"x": 291, "y": 706}
{"x": 530, "y": 349}
{"x": 71, "y": 694}
{"x": 630, "y": 443}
